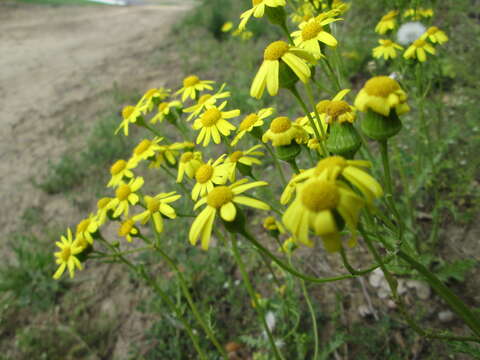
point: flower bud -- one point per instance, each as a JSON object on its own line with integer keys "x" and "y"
{"x": 343, "y": 140}
{"x": 380, "y": 127}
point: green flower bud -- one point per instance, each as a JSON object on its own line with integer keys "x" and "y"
{"x": 343, "y": 140}
{"x": 379, "y": 127}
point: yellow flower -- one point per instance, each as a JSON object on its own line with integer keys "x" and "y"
{"x": 128, "y": 229}
{"x": 268, "y": 73}
{"x": 387, "y": 22}
{"x": 311, "y": 34}
{"x": 104, "y": 205}
{"x": 125, "y": 195}
{"x": 212, "y": 123}
{"x": 145, "y": 149}
{"x": 167, "y": 153}
{"x": 192, "y": 84}
{"x": 157, "y": 207}
{"x": 339, "y": 111}
{"x": 119, "y": 170}
{"x": 250, "y": 122}
{"x": 257, "y": 10}
{"x": 130, "y": 115}
{"x": 418, "y": 50}
{"x": 271, "y": 224}
{"x": 418, "y": 13}
{"x": 226, "y": 27}
{"x": 150, "y": 98}
{"x": 164, "y": 110}
{"x": 304, "y": 122}
{"x": 434, "y": 34}
{"x": 209, "y": 174}
{"x": 282, "y": 131}
{"x": 223, "y": 199}
{"x": 381, "y": 94}
{"x": 387, "y": 49}
{"x": 188, "y": 164}
{"x": 318, "y": 202}
{"x": 66, "y": 256}
{"x": 242, "y": 157}
{"x": 335, "y": 166}
{"x": 290, "y": 188}
{"x": 87, "y": 227}
{"x": 205, "y": 101}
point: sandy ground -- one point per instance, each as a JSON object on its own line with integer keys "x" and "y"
{"x": 54, "y": 64}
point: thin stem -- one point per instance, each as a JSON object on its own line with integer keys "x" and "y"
{"x": 389, "y": 195}
{"x": 441, "y": 289}
{"x": 296, "y": 273}
{"x": 150, "y": 281}
{"x": 186, "y": 293}
{"x": 349, "y": 267}
{"x": 278, "y": 166}
{"x": 297, "y": 96}
{"x": 253, "y": 296}
{"x": 308, "y": 89}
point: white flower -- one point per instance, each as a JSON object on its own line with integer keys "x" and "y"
{"x": 409, "y": 32}
{"x": 270, "y": 319}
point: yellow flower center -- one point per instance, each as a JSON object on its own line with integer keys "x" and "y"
{"x": 122, "y": 192}
{"x": 204, "y": 98}
{"x": 381, "y": 86}
{"x": 153, "y": 205}
{"x": 311, "y": 30}
{"x": 162, "y": 106}
{"x": 126, "y": 227}
{"x": 419, "y": 43}
{"x": 186, "y": 157}
{"x": 249, "y": 121}
{"x": 219, "y": 196}
{"x": 329, "y": 163}
{"x": 280, "y": 124}
{"x": 142, "y": 147}
{"x": 210, "y": 117}
{"x": 337, "y": 108}
{"x": 103, "y": 202}
{"x": 127, "y": 111}
{"x": 256, "y": 2}
{"x": 275, "y": 50}
{"x": 83, "y": 225}
{"x": 236, "y": 156}
{"x": 117, "y": 167}
{"x": 387, "y": 42}
{"x": 204, "y": 173}
{"x": 322, "y": 106}
{"x": 65, "y": 253}
{"x": 320, "y": 195}
{"x": 190, "y": 81}
{"x": 432, "y": 30}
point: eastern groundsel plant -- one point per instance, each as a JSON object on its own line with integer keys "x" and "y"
{"x": 224, "y": 184}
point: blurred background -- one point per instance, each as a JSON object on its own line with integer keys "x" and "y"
{"x": 67, "y": 67}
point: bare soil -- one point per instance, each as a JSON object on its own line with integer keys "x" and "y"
{"x": 55, "y": 64}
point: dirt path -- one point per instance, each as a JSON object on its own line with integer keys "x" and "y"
{"x": 54, "y": 62}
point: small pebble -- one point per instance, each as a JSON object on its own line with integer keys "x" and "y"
{"x": 445, "y": 316}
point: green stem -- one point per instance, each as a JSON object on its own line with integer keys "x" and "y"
{"x": 297, "y": 96}
{"x": 441, "y": 289}
{"x": 186, "y": 293}
{"x": 152, "y": 283}
{"x": 253, "y": 296}
{"x": 277, "y": 164}
{"x": 294, "y": 272}
{"x": 389, "y": 187}
{"x": 349, "y": 267}
{"x": 308, "y": 89}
